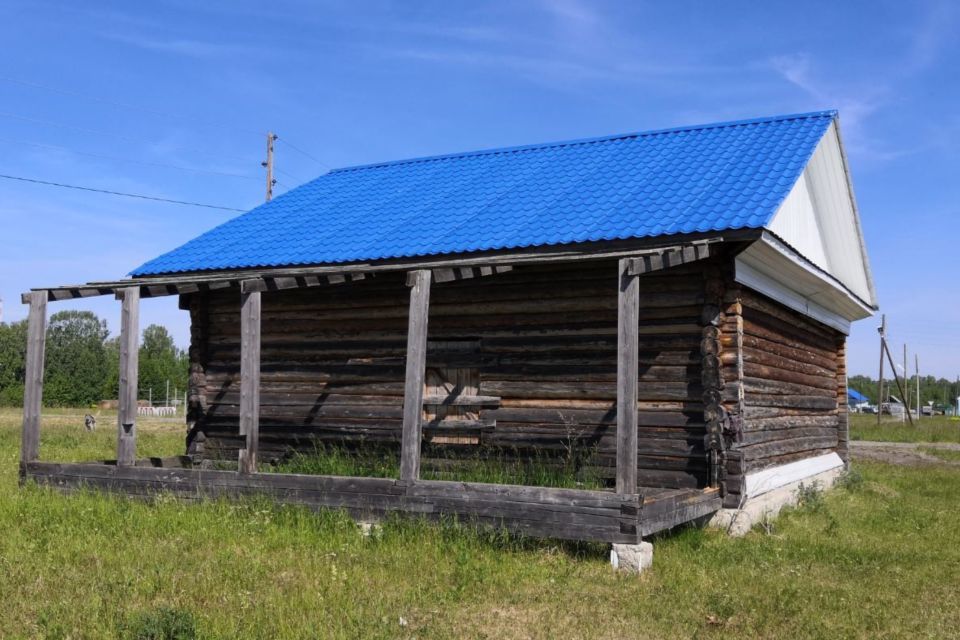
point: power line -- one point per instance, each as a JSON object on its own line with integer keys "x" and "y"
{"x": 125, "y": 105}
{"x": 120, "y": 193}
{"x": 305, "y": 154}
{"x": 112, "y": 134}
{"x": 130, "y": 160}
{"x": 288, "y": 174}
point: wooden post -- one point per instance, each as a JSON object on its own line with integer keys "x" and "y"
{"x": 916, "y": 360}
{"x": 906, "y": 384}
{"x": 33, "y": 382}
{"x": 249, "y": 380}
{"x": 628, "y": 330}
{"x": 129, "y": 363}
{"x": 419, "y": 283}
{"x": 883, "y": 338}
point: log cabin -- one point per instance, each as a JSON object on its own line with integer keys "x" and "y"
{"x": 670, "y": 307}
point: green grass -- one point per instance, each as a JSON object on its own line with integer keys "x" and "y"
{"x": 927, "y": 429}
{"x": 949, "y": 455}
{"x": 876, "y": 559}
{"x": 497, "y": 468}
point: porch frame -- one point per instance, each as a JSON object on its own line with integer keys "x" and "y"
{"x": 621, "y": 516}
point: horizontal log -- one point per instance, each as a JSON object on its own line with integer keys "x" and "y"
{"x": 800, "y": 355}
{"x": 789, "y": 445}
{"x": 763, "y": 358}
{"x": 461, "y": 401}
{"x": 750, "y": 412}
{"x": 753, "y": 370}
{"x": 793, "y": 341}
{"x": 800, "y": 402}
{"x": 758, "y": 464}
{"x": 666, "y": 513}
{"x": 574, "y": 514}
{"x": 754, "y": 303}
{"x": 775, "y": 387}
{"x": 789, "y": 422}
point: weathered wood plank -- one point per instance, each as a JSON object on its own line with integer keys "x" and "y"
{"x": 250, "y": 380}
{"x": 33, "y": 379}
{"x": 419, "y": 282}
{"x": 541, "y": 511}
{"x": 129, "y": 365}
{"x": 628, "y": 306}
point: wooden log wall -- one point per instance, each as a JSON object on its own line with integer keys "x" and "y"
{"x": 843, "y": 411}
{"x": 789, "y": 387}
{"x": 332, "y": 366}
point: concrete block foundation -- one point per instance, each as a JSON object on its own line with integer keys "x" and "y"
{"x": 631, "y": 558}
{"x": 756, "y": 509}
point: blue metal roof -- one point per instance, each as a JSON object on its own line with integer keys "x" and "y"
{"x": 856, "y": 396}
{"x": 714, "y": 177}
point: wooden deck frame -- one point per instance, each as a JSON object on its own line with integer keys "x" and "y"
{"x": 572, "y": 514}
{"x": 609, "y": 516}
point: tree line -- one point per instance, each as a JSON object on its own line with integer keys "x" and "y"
{"x": 940, "y": 391}
{"x": 81, "y": 364}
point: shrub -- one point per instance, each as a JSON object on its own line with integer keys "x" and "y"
{"x": 161, "y": 623}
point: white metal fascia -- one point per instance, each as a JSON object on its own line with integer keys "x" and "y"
{"x": 774, "y": 269}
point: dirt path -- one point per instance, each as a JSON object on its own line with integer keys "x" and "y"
{"x": 905, "y": 453}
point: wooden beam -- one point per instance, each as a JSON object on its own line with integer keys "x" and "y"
{"x": 696, "y": 246}
{"x": 452, "y": 274}
{"x": 33, "y": 381}
{"x": 628, "y": 340}
{"x": 129, "y": 363}
{"x": 419, "y": 283}
{"x": 667, "y": 257}
{"x": 249, "y": 380}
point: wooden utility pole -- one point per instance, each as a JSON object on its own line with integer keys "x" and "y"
{"x": 268, "y": 164}
{"x": 916, "y": 362}
{"x": 896, "y": 378}
{"x": 883, "y": 337}
{"x": 906, "y": 383}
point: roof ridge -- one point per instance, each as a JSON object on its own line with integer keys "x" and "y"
{"x": 832, "y": 113}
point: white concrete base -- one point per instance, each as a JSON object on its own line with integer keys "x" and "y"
{"x": 632, "y": 558}
{"x": 756, "y": 509}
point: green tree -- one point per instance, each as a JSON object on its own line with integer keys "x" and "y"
{"x": 13, "y": 351}
{"x": 111, "y": 353}
{"x": 75, "y": 368}
{"x": 160, "y": 362}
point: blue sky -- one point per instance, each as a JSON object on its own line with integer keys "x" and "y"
{"x": 193, "y": 85}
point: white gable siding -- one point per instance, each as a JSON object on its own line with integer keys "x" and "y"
{"x": 797, "y": 223}
{"x": 818, "y": 219}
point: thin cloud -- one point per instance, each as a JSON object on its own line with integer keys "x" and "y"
{"x": 199, "y": 49}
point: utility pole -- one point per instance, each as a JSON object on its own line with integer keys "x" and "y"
{"x": 916, "y": 363}
{"x": 882, "y": 330}
{"x": 906, "y": 383}
{"x": 900, "y": 387}
{"x": 268, "y": 164}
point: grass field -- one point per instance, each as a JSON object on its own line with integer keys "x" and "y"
{"x": 927, "y": 429}
{"x": 876, "y": 559}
